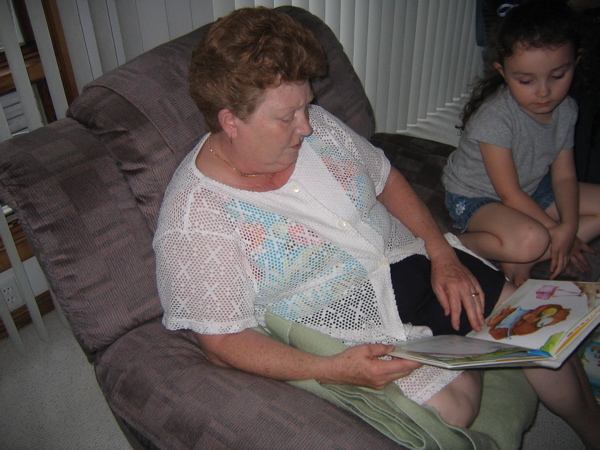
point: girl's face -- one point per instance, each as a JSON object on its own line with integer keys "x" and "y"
{"x": 539, "y": 78}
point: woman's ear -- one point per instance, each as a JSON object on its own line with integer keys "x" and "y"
{"x": 227, "y": 120}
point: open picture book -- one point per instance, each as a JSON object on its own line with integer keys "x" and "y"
{"x": 541, "y": 323}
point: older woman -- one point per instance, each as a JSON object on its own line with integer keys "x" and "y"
{"x": 283, "y": 208}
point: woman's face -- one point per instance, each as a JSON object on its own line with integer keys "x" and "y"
{"x": 269, "y": 140}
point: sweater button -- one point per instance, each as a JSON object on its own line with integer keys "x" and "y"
{"x": 295, "y": 188}
{"x": 342, "y": 224}
{"x": 383, "y": 263}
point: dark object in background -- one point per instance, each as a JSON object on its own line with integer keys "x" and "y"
{"x": 586, "y": 91}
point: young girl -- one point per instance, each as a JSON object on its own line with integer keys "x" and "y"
{"x": 511, "y": 185}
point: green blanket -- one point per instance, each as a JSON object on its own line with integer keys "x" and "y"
{"x": 507, "y": 409}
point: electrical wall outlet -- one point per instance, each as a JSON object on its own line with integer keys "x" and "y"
{"x": 9, "y": 289}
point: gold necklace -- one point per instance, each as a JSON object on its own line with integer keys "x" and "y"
{"x": 235, "y": 169}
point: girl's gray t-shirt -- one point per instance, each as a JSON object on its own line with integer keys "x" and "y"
{"x": 501, "y": 121}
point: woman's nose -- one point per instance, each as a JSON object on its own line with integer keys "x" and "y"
{"x": 304, "y": 127}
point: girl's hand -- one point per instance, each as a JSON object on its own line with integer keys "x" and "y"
{"x": 454, "y": 286}
{"x": 562, "y": 239}
{"x": 361, "y": 366}
{"x": 577, "y": 258}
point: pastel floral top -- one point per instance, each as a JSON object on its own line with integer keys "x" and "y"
{"x": 316, "y": 251}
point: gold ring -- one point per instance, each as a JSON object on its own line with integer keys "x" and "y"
{"x": 475, "y": 294}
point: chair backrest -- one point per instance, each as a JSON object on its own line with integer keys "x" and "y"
{"x": 143, "y": 113}
{"x": 88, "y": 188}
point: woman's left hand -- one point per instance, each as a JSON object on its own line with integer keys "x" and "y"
{"x": 452, "y": 282}
{"x": 457, "y": 288}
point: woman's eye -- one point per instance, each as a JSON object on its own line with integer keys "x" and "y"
{"x": 525, "y": 82}
{"x": 558, "y": 77}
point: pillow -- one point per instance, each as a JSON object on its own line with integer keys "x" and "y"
{"x": 87, "y": 231}
{"x": 143, "y": 113}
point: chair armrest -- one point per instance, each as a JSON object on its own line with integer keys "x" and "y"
{"x": 422, "y": 162}
{"x": 160, "y": 384}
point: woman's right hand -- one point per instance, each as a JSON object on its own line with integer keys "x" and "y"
{"x": 361, "y": 365}
{"x": 257, "y": 353}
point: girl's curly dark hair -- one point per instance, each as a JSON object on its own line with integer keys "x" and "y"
{"x": 532, "y": 24}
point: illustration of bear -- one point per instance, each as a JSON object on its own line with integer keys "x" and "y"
{"x": 520, "y": 322}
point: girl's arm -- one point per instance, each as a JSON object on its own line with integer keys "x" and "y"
{"x": 452, "y": 282}
{"x": 566, "y": 195}
{"x": 259, "y": 354}
{"x": 501, "y": 169}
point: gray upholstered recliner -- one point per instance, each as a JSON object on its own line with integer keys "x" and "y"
{"x": 87, "y": 190}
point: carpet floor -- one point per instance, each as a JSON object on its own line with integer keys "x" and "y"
{"x": 49, "y": 398}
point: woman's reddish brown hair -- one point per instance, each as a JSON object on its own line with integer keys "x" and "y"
{"x": 244, "y": 53}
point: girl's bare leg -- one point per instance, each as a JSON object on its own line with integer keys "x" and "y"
{"x": 567, "y": 393}
{"x": 517, "y": 273}
{"x": 500, "y": 233}
{"x": 589, "y": 210}
{"x": 589, "y": 215}
{"x": 503, "y": 234}
{"x": 517, "y": 241}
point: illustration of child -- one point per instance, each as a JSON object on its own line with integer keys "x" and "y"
{"x": 511, "y": 185}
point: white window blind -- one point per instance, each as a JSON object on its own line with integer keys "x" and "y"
{"x": 414, "y": 57}
{"x": 25, "y": 93}
{"x": 10, "y": 42}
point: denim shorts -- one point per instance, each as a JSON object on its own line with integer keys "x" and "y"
{"x": 462, "y": 208}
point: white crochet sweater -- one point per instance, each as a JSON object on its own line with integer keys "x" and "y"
{"x": 316, "y": 251}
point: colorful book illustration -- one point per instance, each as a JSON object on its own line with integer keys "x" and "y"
{"x": 590, "y": 358}
{"x": 541, "y": 323}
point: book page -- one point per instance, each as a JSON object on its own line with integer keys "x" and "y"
{"x": 452, "y": 351}
{"x": 539, "y": 319}
{"x": 540, "y": 314}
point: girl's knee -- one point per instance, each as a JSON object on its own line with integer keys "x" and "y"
{"x": 589, "y": 199}
{"x": 530, "y": 242}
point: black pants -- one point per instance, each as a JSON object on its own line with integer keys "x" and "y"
{"x": 418, "y": 304}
